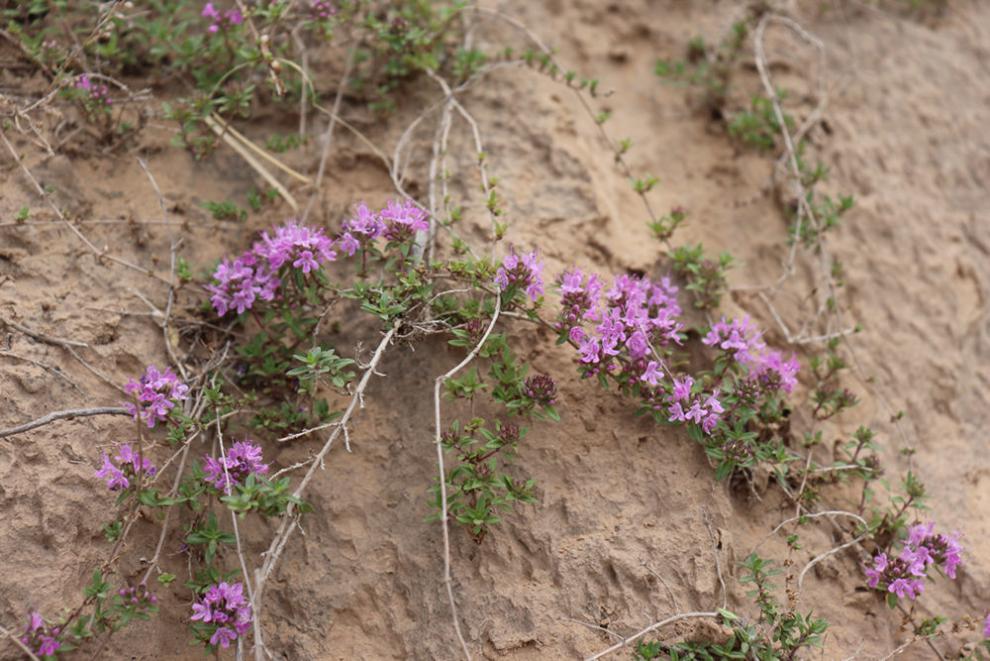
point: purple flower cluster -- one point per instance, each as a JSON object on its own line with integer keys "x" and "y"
{"x": 305, "y": 248}
{"x": 396, "y": 222}
{"x": 219, "y": 20}
{"x": 98, "y": 93}
{"x": 254, "y": 275}
{"x": 744, "y": 342}
{"x": 39, "y": 637}
{"x": 635, "y": 317}
{"x": 904, "y": 575}
{"x": 521, "y": 272}
{"x": 541, "y": 388}
{"x": 129, "y": 465}
{"x": 622, "y": 331}
{"x": 322, "y": 9}
{"x": 986, "y": 627}
{"x": 243, "y": 459}
{"x": 240, "y": 283}
{"x": 579, "y": 299}
{"x": 701, "y": 409}
{"x": 157, "y": 393}
{"x": 137, "y": 596}
{"x": 224, "y": 606}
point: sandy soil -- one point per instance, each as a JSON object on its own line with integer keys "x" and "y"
{"x": 630, "y": 519}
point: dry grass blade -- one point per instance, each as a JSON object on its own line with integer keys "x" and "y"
{"x": 244, "y": 153}
{"x": 247, "y": 142}
{"x": 653, "y": 627}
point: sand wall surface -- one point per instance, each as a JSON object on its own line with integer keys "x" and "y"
{"x": 631, "y": 525}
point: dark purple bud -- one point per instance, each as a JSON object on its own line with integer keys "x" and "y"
{"x": 508, "y": 433}
{"x": 542, "y": 389}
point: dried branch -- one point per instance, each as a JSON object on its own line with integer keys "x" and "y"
{"x": 62, "y": 415}
{"x": 653, "y": 627}
{"x": 818, "y": 558}
{"x": 41, "y": 337}
{"x": 438, "y": 385}
{"x": 45, "y": 366}
{"x": 289, "y": 522}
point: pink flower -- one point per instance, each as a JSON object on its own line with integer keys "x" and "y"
{"x": 875, "y": 573}
{"x": 652, "y": 374}
{"x": 244, "y": 458}
{"x": 906, "y": 587}
{"x": 35, "y": 622}
{"x": 223, "y": 637}
{"x": 209, "y": 11}
{"x": 220, "y": 21}
{"x": 590, "y": 350}
{"x": 224, "y": 603}
{"x": 348, "y": 244}
{"x": 986, "y": 627}
{"x": 39, "y": 637}
{"x": 97, "y": 92}
{"x": 202, "y": 612}
{"x": 48, "y": 646}
{"x": 638, "y": 345}
{"x": 905, "y": 574}
{"x": 128, "y": 467}
{"x": 157, "y": 393}
{"x": 739, "y": 336}
{"x": 402, "y": 220}
{"x": 521, "y": 272}
{"x": 322, "y": 9}
{"x": 681, "y": 391}
{"x": 306, "y": 248}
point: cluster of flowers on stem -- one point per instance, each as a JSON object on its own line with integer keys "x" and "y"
{"x": 521, "y": 273}
{"x": 322, "y": 9}
{"x": 685, "y": 405}
{"x": 129, "y": 466}
{"x": 224, "y": 607}
{"x": 39, "y": 638}
{"x": 904, "y": 575}
{"x": 254, "y": 275}
{"x": 221, "y": 20}
{"x": 243, "y": 459}
{"x": 156, "y": 394}
{"x": 395, "y": 222}
{"x": 139, "y": 595}
{"x": 541, "y": 388}
{"x": 744, "y": 342}
{"x": 98, "y": 92}
{"x": 626, "y": 332}
{"x": 260, "y": 272}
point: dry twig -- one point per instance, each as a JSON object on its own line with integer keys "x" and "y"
{"x": 437, "y": 386}
{"x": 653, "y": 627}
{"x": 289, "y": 522}
{"x": 62, "y": 415}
